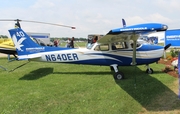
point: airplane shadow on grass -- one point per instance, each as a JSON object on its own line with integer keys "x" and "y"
{"x": 38, "y": 73}
{"x": 151, "y": 93}
{"x": 87, "y": 73}
{"x": 42, "y": 72}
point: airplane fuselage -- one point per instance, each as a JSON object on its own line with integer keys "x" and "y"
{"x": 145, "y": 54}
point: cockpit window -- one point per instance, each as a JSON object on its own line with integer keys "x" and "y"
{"x": 119, "y": 45}
{"x": 89, "y": 46}
{"x": 123, "y": 45}
{"x": 102, "y": 47}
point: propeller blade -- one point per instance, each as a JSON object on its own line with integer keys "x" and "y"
{"x": 167, "y": 46}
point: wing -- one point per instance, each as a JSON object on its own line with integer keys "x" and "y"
{"x": 124, "y": 36}
{"x": 131, "y": 32}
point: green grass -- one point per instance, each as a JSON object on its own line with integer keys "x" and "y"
{"x": 79, "y": 89}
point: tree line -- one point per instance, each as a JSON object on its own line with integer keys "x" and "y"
{"x": 52, "y": 39}
{"x": 66, "y": 38}
{"x": 3, "y": 36}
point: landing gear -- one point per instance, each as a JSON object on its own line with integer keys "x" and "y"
{"x": 149, "y": 70}
{"x": 117, "y": 75}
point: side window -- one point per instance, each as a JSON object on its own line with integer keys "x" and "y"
{"x": 102, "y": 47}
{"x": 97, "y": 48}
{"x": 137, "y": 45}
{"x": 119, "y": 45}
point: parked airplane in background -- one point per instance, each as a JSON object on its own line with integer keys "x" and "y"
{"x": 159, "y": 35}
{"x": 7, "y": 46}
{"x": 119, "y": 47}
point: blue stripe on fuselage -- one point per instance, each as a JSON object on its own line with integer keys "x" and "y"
{"x": 108, "y": 62}
{"x": 117, "y": 59}
{"x": 149, "y": 47}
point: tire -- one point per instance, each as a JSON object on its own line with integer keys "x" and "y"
{"x": 118, "y": 76}
{"x": 149, "y": 71}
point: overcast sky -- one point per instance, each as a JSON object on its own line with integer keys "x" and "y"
{"x": 88, "y": 16}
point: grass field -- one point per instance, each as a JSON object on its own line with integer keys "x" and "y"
{"x": 39, "y": 88}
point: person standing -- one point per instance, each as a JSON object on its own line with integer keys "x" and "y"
{"x": 95, "y": 39}
{"x": 55, "y": 43}
{"x": 72, "y": 43}
{"x": 68, "y": 43}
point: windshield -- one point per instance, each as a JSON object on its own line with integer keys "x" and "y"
{"x": 89, "y": 45}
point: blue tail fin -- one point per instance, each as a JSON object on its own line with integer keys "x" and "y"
{"x": 23, "y": 43}
{"x": 124, "y": 23}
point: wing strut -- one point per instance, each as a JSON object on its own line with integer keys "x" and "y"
{"x": 134, "y": 50}
{"x": 134, "y": 56}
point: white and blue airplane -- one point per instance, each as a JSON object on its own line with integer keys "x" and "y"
{"x": 119, "y": 47}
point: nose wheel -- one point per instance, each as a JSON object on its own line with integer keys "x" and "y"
{"x": 149, "y": 70}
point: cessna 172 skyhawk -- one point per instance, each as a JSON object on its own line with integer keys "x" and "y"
{"x": 119, "y": 47}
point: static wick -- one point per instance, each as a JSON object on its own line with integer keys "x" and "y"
{"x": 73, "y": 27}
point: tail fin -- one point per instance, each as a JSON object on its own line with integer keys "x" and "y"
{"x": 124, "y": 23}
{"x": 23, "y": 43}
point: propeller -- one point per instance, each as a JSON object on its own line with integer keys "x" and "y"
{"x": 167, "y": 46}
{"x": 18, "y": 24}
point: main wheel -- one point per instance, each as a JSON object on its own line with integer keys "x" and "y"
{"x": 149, "y": 71}
{"x": 118, "y": 76}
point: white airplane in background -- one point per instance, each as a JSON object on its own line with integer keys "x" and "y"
{"x": 159, "y": 35}
{"x": 119, "y": 47}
